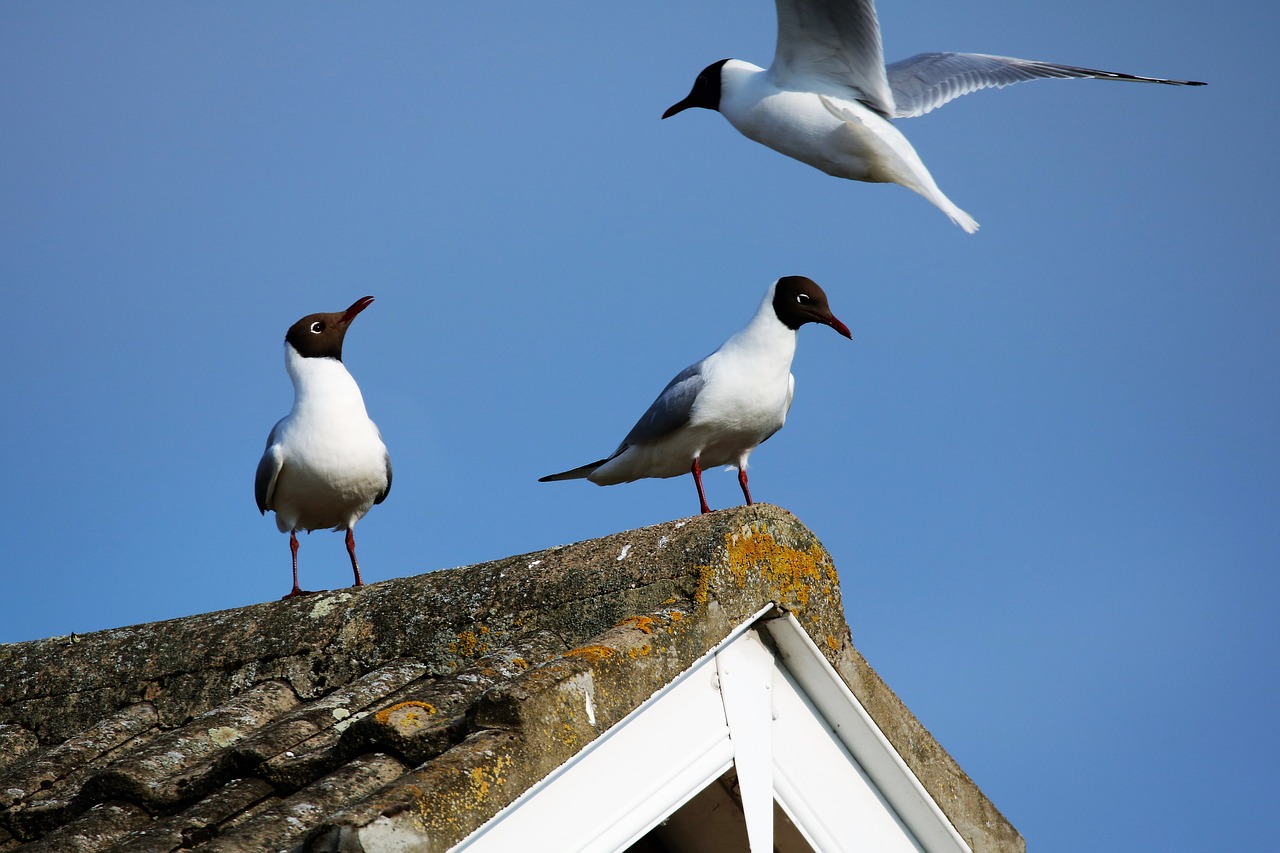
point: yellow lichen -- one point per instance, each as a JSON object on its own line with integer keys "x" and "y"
{"x": 638, "y": 652}
{"x": 569, "y": 736}
{"x": 468, "y": 644}
{"x": 793, "y": 574}
{"x": 478, "y": 783}
{"x": 831, "y": 643}
{"x": 483, "y": 778}
{"x": 675, "y": 615}
{"x": 702, "y": 592}
{"x": 752, "y": 554}
{"x": 642, "y": 623}
{"x": 520, "y": 662}
{"x": 591, "y": 654}
{"x": 406, "y": 713}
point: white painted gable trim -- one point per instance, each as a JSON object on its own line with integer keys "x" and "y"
{"x": 809, "y": 795}
{"x": 792, "y": 727}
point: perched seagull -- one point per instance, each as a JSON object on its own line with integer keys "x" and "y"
{"x": 717, "y": 411}
{"x": 828, "y": 97}
{"x": 325, "y": 464}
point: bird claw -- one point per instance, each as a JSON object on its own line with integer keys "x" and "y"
{"x": 295, "y": 592}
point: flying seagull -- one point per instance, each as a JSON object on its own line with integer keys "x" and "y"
{"x": 325, "y": 464}
{"x": 828, "y": 97}
{"x": 717, "y": 411}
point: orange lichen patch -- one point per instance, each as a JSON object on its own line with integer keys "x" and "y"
{"x": 702, "y": 592}
{"x": 483, "y": 778}
{"x": 638, "y": 652}
{"x": 569, "y": 736}
{"x": 670, "y": 601}
{"x": 410, "y": 715}
{"x": 831, "y": 643}
{"x": 591, "y": 654}
{"x": 468, "y": 644}
{"x": 642, "y": 623}
{"x": 793, "y": 574}
{"x": 437, "y": 807}
{"x": 479, "y": 783}
{"x": 520, "y": 662}
{"x": 675, "y": 615}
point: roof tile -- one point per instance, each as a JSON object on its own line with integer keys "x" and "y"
{"x": 287, "y": 821}
{"x": 15, "y": 742}
{"x": 79, "y": 753}
{"x": 183, "y": 764}
{"x": 197, "y": 824}
{"x": 93, "y": 831}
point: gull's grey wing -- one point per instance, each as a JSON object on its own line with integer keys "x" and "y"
{"x": 382, "y": 496}
{"x": 837, "y": 41}
{"x": 665, "y": 415}
{"x": 670, "y": 411}
{"x": 925, "y": 82}
{"x": 269, "y": 466}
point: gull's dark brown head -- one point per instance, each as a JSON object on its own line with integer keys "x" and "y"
{"x": 320, "y": 335}
{"x": 705, "y": 93}
{"x": 798, "y": 300}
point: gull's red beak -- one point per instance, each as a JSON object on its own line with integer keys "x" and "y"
{"x": 356, "y": 307}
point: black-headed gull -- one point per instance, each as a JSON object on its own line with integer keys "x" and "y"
{"x": 828, "y": 97}
{"x": 717, "y": 411}
{"x": 325, "y": 464}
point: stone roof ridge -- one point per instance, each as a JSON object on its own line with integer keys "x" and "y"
{"x": 310, "y": 724}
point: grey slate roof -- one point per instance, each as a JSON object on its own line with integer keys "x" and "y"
{"x": 438, "y": 698}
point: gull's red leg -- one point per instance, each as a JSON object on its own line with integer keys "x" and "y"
{"x": 697, "y": 479}
{"x": 293, "y": 547}
{"x": 351, "y": 549}
{"x": 742, "y": 481}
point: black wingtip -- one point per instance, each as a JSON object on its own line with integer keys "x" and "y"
{"x": 578, "y": 473}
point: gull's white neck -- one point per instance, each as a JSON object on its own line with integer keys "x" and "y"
{"x": 322, "y": 385}
{"x": 765, "y": 339}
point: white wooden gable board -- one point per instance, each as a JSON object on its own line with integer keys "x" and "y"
{"x": 786, "y": 722}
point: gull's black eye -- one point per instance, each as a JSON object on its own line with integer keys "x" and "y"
{"x": 317, "y": 327}
{"x": 802, "y": 298}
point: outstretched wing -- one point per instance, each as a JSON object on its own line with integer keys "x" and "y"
{"x": 925, "y": 82}
{"x": 837, "y": 41}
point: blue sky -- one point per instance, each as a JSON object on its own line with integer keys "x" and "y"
{"x": 1046, "y": 465}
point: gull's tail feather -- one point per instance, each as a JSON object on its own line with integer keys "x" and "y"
{"x": 575, "y": 474}
{"x": 924, "y": 185}
{"x": 958, "y": 216}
